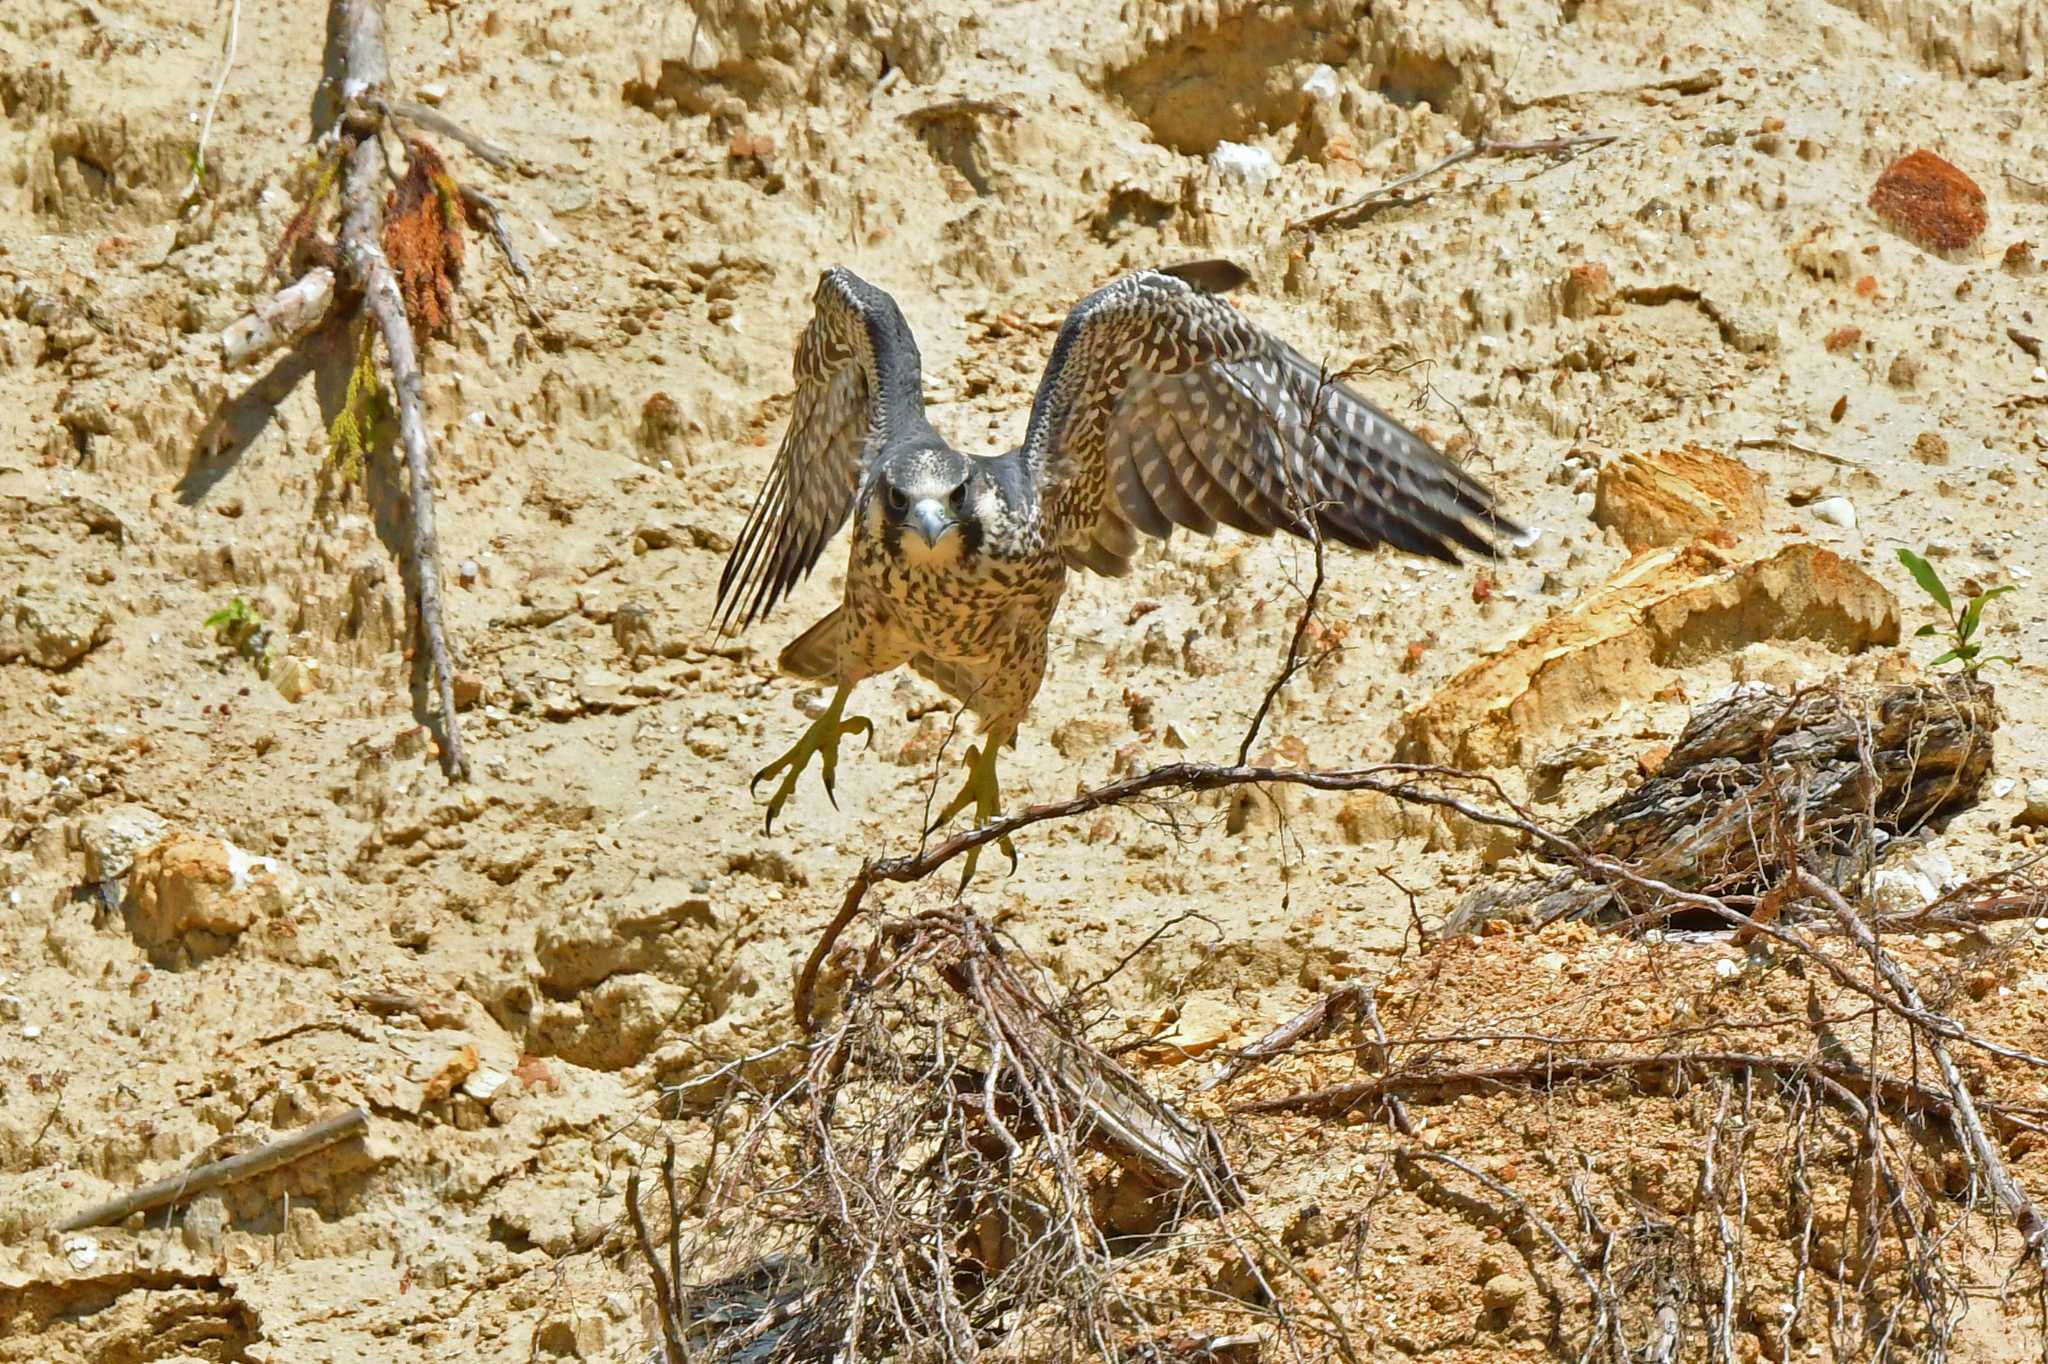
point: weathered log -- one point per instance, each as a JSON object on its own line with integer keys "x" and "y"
{"x": 1758, "y": 761}
{"x": 281, "y": 318}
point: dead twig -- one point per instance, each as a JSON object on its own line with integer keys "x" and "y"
{"x": 435, "y": 121}
{"x": 959, "y": 108}
{"x": 362, "y": 198}
{"x": 481, "y": 206}
{"x": 2032, "y": 1226}
{"x": 1896, "y": 1093}
{"x": 1389, "y": 195}
{"x": 219, "y": 1173}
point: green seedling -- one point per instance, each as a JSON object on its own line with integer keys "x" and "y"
{"x": 238, "y": 626}
{"x": 1961, "y": 630}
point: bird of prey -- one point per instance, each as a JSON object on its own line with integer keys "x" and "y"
{"x": 1163, "y": 406}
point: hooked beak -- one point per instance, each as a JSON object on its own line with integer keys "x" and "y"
{"x": 931, "y": 520}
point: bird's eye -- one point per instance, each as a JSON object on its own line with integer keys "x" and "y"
{"x": 897, "y": 501}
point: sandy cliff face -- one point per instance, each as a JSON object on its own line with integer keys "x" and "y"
{"x": 505, "y": 974}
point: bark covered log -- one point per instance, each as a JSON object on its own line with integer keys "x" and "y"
{"x": 1759, "y": 761}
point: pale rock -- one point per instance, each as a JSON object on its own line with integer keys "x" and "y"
{"x": 112, "y": 839}
{"x": 51, "y": 625}
{"x": 1321, "y": 83}
{"x": 1836, "y": 511}
{"x": 1248, "y": 167}
{"x": 294, "y": 677}
{"x": 2034, "y": 814}
{"x": 1503, "y": 1293}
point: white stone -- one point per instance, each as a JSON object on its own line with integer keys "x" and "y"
{"x": 1320, "y": 84}
{"x": 1836, "y": 511}
{"x": 1250, "y": 167}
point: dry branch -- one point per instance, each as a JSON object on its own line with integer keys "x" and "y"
{"x": 362, "y": 199}
{"x": 218, "y": 1174}
{"x": 278, "y": 320}
{"x": 1898, "y": 1094}
{"x": 1389, "y": 195}
{"x": 2032, "y": 1226}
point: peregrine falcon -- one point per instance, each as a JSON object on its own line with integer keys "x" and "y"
{"x": 1162, "y": 406}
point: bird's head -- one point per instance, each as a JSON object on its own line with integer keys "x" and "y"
{"x": 926, "y": 505}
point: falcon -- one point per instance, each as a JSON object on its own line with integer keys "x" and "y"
{"x": 1162, "y": 406}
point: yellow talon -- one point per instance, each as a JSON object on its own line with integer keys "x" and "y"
{"x": 982, "y": 792}
{"x": 822, "y": 738}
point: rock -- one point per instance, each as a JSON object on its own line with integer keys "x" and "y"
{"x": 112, "y": 839}
{"x": 1670, "y": 497}
{"x": 1621, "y": 642}
{"x": 51, "y": 625}
{"x": 190, "y": 896}
{"x": 576, "y": 1334}
{"x": 1751, "y": 330}
{"x": 662, "y": 925}
{"x": 294, "y": 677}
{"x": 1199, "y": 1025}
{"x": 1321, "y": 83}
{"x": 1836, "y": 511}
{"x": 1930, "y": 202}
{"x": 1503, "y": 1293}
{"x": 1247, "y": 167}
{"x": 1930, "y": 447}
{"x": 1588, "y": 290}
{"x": 2035, "y": 813}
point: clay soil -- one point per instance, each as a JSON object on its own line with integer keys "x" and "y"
{"x": 506, "y": 974}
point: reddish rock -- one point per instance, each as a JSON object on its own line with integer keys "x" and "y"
{"x": 1930, "y": 202}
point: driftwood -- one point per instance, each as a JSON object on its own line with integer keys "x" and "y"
{"x": 278, "y": 320}
{"x": 1707, "y": 820}
{"x": 249, "y": 1164}
{"x": 367, "y": 71}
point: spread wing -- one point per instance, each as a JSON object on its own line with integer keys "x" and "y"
{"x": 1164, "y": 406}
{"x": 858, "y": 386}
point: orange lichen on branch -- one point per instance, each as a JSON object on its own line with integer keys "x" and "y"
{"x": 1930, "y": 202}
{"x": 423, "y": 238}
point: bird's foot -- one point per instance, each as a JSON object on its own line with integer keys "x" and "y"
{"x": 822, "y": 738}
{"x": 982, "y": 792}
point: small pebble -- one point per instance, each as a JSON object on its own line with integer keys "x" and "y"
{"x": 1502, "y": 1292}
{"x": 1836, "y": 511}
{"x": 1726, "y": 969}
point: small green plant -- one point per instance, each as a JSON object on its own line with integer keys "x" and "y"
{"x": 1962, "y": 624}
{"x": 238, "y": 626}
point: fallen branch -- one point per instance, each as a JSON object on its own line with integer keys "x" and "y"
{"x": 1389, "y": 195}
{"x": 2032, "y": 1226}
{"x": 190, "y": 1184}
{"x": 278, "y": 320}
{"x": 1784, "y": 443}
{"x": 1900, "y": 1095}
{"x": 489, "y": 152}
{"x": 362, "y": 198}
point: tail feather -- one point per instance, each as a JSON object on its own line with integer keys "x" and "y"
{"x": 814, "y": 654}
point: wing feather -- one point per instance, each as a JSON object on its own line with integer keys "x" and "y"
{"x": 858, "y": 387}
{"x": 1164, "y": 406}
